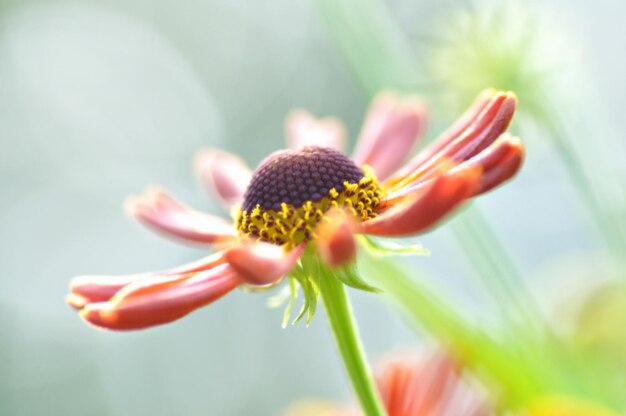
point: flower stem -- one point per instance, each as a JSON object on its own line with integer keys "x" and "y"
{"x": 343, "y": 325}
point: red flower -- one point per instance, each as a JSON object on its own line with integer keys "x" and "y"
{"x": 299, "y": 195}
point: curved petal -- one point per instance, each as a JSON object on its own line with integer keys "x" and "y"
{"x": 223, "y": 174}
{"x": 262, "y": 263}
{"x": 335, "y": 238}
{"x": 418, "y": 213}
{"x": 86, "y": 289}
{"x": 498, "y": 163}
{"x": 96, "y": 288}
{"x": 413, "y": 386}
{"x": 303, "y": 129}
{"x": 390, "y": 131}
{"x": 159, "y": 211}
{"x": 459, "y": 126}
{"x": 161, "y": 299}
{"x": 433, "y": 384}
{"x": 475, "y": 131}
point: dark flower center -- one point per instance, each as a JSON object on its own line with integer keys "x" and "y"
{"x": 291, "y": 190}
{"x": 297, "y": 176}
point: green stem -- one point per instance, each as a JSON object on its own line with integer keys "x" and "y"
{"x": 525, "y": 366}
{"x": 346, "y": 336}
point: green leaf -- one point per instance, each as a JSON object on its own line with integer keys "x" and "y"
{"x": 349, "y": 275}
{"x": 304, "y": 283}
{"x": 309, "y": 282}
{"x": 314, "y": 296}
{"x": 311, "y": 292}
{"x": 391, "y": 248}
{"x": 292, "y": 301}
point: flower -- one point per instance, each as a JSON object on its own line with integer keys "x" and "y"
{"x": 415, "y": 384}
{"x": 311, "y": 195}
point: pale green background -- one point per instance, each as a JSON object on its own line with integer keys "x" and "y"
{"x": 99, "y": 99}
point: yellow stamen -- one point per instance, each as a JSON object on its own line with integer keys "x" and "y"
{"x": 292, "y": 225}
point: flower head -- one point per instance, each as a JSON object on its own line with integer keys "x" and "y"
{"x": 310, "y": 197}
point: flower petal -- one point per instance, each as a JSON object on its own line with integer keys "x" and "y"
{"x": 262, "y": 263}
{"x": 87, "y": 289}
{"x": 161, "y": 299}
{"x": 428, "y": 385}
{"x": 95, "y": 288}
{"x": 413, "y": 386}
{"x": 459, "y": 126}
{"x": 335, "y": 238}
{"x": 159, "y": 211}
{"x": 390, "y": 131}
{"x": 418, "y": 213}
{"x": 498, "y": 163}
{"x": 224, "y": 174}
{"x": 303, "y": 129}
{"x": 477, "y": 129}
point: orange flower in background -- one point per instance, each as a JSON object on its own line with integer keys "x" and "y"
{"x": 311, "y": 193}
{"x": 428, "y": 384}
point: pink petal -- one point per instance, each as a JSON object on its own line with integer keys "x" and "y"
{"x": 418, "y": 213}
{"x": 159, "y": 211}
{"x": 481, "y": 126}
{"x": 161, "y": 300}
{"x": 335, "y": 239}
{"x": 95, "y": 288}
{"x": 303, "y": 129}
{"x": 499, "y": 162}
{"x": 224, "y": 174}
{"x": 460, "y": 125}
{"x": 98, "y": 288}
{"x": 76, "y": 301}
{"x": 391, "y": 130}
{"x": 262, "y": 263}
{"x": 429, "y": 385}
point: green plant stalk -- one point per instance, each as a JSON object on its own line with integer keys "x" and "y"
{"x": 529, "y": 365}
{"x": 345, "y": 332}
{"x": 424, "y": 307}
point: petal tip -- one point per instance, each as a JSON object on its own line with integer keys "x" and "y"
{"x": 203, "y": 157}
{"x": 75, "y": 301}
{"x": 336, "y": 241}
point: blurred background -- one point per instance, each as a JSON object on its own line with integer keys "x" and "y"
{"x": 99, "y": 99}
